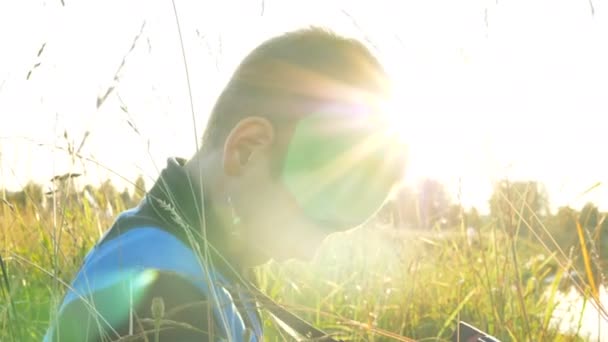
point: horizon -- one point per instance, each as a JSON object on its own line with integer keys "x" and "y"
{"x": 488, "y": 100}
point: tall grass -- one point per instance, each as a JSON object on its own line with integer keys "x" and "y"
{"x": 374, "y": 283}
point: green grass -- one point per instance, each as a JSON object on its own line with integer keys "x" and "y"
{"x": 374, "y": 283}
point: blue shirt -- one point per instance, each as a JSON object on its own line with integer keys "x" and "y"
{"x": 147, "y": 255}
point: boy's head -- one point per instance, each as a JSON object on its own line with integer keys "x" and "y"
{"x": 287, "y": 77}
{"x": 305, "y": 146}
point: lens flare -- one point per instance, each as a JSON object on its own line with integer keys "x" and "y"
{"x": 342, "y": 170}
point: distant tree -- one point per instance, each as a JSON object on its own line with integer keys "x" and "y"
{"x": 33, "y": 194}
{"x": 30, "y": 196}
{"x": 406, "y": 204}
{"x": 107, "y": 195}
{"x": 455, "y": 216}
{"x": 127, "y": 201}
{"x": 16, "y": 199}
{"x": 402, "y": 210}
{"x": 562, "y": 227}
{"x": 472, "y": 218}
{"x": 33, "y": 191}
{"x": 517, "y": 205}
{"x": 589, "y": 216}
{"x": 140, "y": 189}
{"x": 603, "y": 226}
{"x": 433, "y": 202}
{"x": 107, "y": 190}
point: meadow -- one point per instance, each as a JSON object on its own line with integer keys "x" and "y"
{"x": 397, "y": 278}
{"x": 379, "y": 282}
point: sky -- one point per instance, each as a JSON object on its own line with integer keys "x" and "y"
{"x": 484, "y": 89}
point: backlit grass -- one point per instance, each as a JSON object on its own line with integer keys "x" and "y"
{"x": 374, "y": 283}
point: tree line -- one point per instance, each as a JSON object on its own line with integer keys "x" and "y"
{"x": 63, "y": 192}
{"x": 519, "y": 207}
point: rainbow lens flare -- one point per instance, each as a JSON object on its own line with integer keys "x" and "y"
{"x": 340, "y": 167}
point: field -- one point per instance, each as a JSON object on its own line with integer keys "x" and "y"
{"x": 487, "y": 93}
{"x": 374, "y": 283}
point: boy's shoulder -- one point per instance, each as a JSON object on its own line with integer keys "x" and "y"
{"x": 134, "y": 263}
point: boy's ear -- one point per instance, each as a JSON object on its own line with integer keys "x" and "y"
{"x": 248, "y": 139}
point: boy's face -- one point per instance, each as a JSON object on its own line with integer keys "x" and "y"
{"x": 336, "y": 170}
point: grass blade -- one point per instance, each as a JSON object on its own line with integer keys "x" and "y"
{"x": 456, "y": 311}
{"x": 587, "y": 260}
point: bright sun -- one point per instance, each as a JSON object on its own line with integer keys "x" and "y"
{"x": 441, "y": 148}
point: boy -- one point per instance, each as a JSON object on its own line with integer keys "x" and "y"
{"x": 296, "y": 147}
